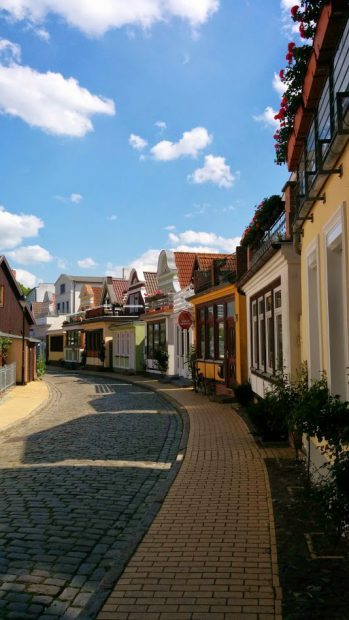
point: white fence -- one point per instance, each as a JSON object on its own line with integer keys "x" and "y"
{"x": 7, "y": 376}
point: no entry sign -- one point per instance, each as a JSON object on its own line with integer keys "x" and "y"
{"x": 185, "y": 320}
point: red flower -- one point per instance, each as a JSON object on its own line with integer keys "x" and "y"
{"x": 289, "y": 57}
{"x": 302, "y": 31}
{"x": 282, "y": 74}
{"x": 294, "y": 10}
{"x": 284, "y": 102}
{"x": 291, "y": 46}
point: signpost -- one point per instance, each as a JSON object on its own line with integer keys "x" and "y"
{"x": 185, "y": 320}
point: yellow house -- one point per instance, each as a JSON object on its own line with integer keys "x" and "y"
{"x": 220, "y": 324}
{"x": 318, "y": 154}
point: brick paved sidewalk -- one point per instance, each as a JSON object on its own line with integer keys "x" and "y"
{"x": 211, "y": 550}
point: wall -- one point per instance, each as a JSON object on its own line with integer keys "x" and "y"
{"x": 11, "y": 314}
{"x": 337, "y": 198}
{"x": 285, "y": 264}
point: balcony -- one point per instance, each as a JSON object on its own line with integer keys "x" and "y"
{"x": 204, "y": 280}
{"x": 325, "y": 86}
{"x": 275, "y": 234}
{"x": 160, "y": 302}
{"x": 103, "y": 311}
{"x": 327, "y": 133}
{"x": 78, "y": 317}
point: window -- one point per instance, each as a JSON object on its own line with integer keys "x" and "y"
{"x": 211, "y": 328}
{"x": 56, "y": 344}
{"x": 279, "y": 360}
{"x": 156, "y": 337}
{"x": 261, "y": 332}
{"x": 62, "y": 289}
{"x": 266, "y": 330}
{"x": 220, "y": 330}
{"x": 254, "y": 335}
{"x": 63, "y": 306}
{"x": 58, "y": 307}
{"x": 94, "y": 341}
{"x": 73, "y": 340}
{"x": 2, "y": 296}
{"x": 67, "y": 306}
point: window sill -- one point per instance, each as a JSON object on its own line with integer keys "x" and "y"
{"x": 263, "y": 375}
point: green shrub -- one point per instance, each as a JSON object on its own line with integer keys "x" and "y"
{"x": 40, "y": 366}
{"x": 161, "y": 358}
{"x": 244, "y": 394}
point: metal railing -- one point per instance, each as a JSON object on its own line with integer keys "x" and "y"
{"x": 275, "y": 234}
{"x": 7, "y": 376}
{"x": 159, "y": 302}
{"x": 329, "y": 130}
{"x": 206, "y": 279}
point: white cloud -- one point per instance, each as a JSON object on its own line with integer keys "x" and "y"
{"x": 76, "y": 198}
{"x": 278, "y": 85}
{"x": 161, "y": 125}
{"x": 137, "y": 142}
{"x": 62, "y": 263}
{"x": 197, "y": 210}
{"x": 267, "y": 117}
{"x": 215, "y": 170}
{"x": 191, "y": 143}
{"x": 15, "y": 227}
{"x": 170, "y": 227}
{"x": 86, "y": 263}
{"x": 95, "y": 18}
{"x": 9, "y": 51}
{"x": 49, "y": 101}
{"x": 148, "y": 261}
{"x": 30, "y": 254}
{"x": 216, "y": 243}
{"x": 27, "y": 278}
{"x": 112, "y": 218}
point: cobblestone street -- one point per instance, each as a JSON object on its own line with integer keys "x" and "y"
{"x": 80, "y": 483}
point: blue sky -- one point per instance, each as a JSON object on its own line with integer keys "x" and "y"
{"x": 128, "y": 129}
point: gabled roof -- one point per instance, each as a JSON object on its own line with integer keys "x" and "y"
{"x": 116, "y": 289}
{"x": 87, "y": 279}
{"x": 186, "y": 262}
{"x": 151, "y": 282}
{"x": 20, "y": 297}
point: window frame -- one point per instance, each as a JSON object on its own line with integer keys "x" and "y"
{"x": 265, "y": 358}
{"x": 2, "y": 295}
{"x": 159, "y": 343}
{"x": 211, "y": 321}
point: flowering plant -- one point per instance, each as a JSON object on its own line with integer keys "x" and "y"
{"x": 307, "y": 15}
{"x": 265, "y": 215}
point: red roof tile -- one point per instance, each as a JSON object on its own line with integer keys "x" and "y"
{"x": 120, "y": 289}
{"x": 151, "y": 282}
{"x": 185, "y": 262}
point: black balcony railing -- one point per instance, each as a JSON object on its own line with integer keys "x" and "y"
{"x": 329, "y": 131}
{"x": 159, "y": 302}
{"x": 204, "y": 280}
{"x": 275, "y": 234}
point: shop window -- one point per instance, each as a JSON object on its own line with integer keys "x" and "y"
{"x": 156, "y": 337}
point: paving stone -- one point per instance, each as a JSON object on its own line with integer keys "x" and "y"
{"x": 60, "y": 523}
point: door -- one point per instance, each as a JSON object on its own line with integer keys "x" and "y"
{"x": 230, "y": 353}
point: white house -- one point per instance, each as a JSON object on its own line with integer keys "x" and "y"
{"x": 68, "y": 288}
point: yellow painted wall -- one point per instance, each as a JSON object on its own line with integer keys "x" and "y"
{"x": 337, "y": 194}
{"x": 209, "y": 369}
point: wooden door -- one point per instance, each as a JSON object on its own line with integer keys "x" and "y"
{"x": 230, "y": 353}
